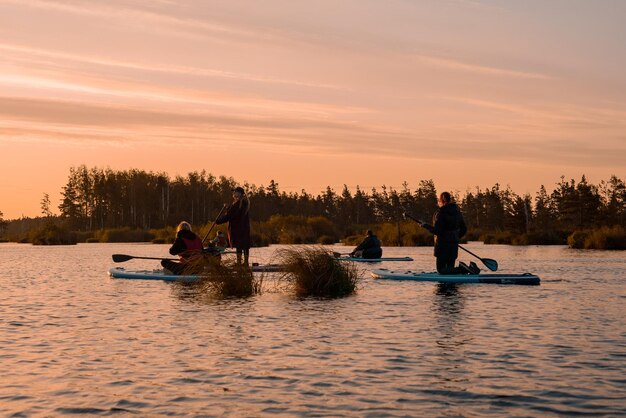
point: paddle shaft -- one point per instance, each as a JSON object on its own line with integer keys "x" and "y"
{"x": 213, "y": 226}
{"x": 413, "y": 218}
{"x": 468, "y": 251}
{"x": 157, "y": 258}
{"x": 120, "y": 258}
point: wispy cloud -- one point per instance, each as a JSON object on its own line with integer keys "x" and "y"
{"x": 456, "y": 65}
{"x": 72, "y": 122}
{"x": 28, "y": 53}
{"x": 166, "y": 21}
{"x": 554, "y": 112}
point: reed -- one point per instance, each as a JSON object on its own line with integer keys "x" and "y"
{"x": 224, "y": 277}
{"x": 314, "y": 271}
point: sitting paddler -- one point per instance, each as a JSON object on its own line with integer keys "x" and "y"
{"x": 368, "y": 248}
{"x": 220, "y": 240}
{"x": 187, "y": 243}
{"x": 449, "y": 227}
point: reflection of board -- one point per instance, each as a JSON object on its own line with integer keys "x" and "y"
{"x": 501, "y": 278}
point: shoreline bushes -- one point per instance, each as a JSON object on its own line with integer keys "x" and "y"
{"x": 123, "y": 235}
{"x": 52, "y": 234}
{"x": 605, "y": 238}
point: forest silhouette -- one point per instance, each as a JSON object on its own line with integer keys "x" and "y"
{"x": 105, "y": 205}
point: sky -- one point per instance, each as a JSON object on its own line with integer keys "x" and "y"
{"x": 312, "y": 93}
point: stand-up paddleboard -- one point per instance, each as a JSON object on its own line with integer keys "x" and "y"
{"x": 374, "y": 260}
{"x": 121, "y": 273}
{"x": 501, "y": 278}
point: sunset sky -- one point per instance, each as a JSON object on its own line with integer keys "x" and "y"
{"x": 315, "y": 93}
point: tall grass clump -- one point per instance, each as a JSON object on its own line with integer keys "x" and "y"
{"x": 314, "y": 271}
{"x": 224, "y": 278}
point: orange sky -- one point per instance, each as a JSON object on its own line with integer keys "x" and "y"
{"x": 311, "y": 94}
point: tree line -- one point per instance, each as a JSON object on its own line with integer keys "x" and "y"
{"x": 97, "y": 199}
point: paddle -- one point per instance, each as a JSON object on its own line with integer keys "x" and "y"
{"x": 213, "y": 226}
{"x": 488, "y": 262}
{"x": 120, "y": 258}
{"x": 338, "y": 255}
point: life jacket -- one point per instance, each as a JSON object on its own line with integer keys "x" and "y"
{"x": 221, "y": 241}
{"x": 192, "y": 245}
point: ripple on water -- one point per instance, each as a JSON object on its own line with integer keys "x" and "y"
{"x": 75, "y": 342}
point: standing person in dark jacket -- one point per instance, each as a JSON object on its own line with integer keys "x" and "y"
{"x": 186, "y": 244}
{"x": 238, "y": 220}
{"x": 369, "y": 247}
{"x": 448, "y": 227}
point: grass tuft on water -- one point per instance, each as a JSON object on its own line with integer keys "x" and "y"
{"x": 314, "y": 271}
{"x": 224, "y": 278}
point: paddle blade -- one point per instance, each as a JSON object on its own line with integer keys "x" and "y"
{"x": 120, "y": 258}
{"x": 490, "y": 264}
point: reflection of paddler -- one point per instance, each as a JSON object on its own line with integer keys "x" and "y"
{"x": 237, "y": 216}
{"x": 186, "y": 244}
{"x": 220, "y": 240}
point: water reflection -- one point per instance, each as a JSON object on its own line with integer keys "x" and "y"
{"x": 198, "y": 294}
{"x": 448, "y": 306}
{"x": 75, "y": 341}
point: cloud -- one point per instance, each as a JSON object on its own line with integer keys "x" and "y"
{"x": 546, "y": 115}
{"x": 29, "y": 118}
{"x": 457, "y": 65}
{"x": 150, "y": 19}
{"x": 28, "y": 53}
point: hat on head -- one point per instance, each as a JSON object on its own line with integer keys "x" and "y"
{"x": 239, "y": 189}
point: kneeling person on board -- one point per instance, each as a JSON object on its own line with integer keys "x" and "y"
{"x": 186, "y": 244}
{"x": 369, "y": 247}
{"x": 448, "y": 227}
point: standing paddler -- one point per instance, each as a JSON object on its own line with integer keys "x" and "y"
{"x": 237, "y": 216}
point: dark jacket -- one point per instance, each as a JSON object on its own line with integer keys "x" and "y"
{"x": 448, "y": 227}
{"x": 370, "y": 247}
{"x": 238, "y": 220}
{"x": 185, "y": 243}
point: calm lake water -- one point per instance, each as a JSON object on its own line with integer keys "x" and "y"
{"x": 74, "y": 341}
